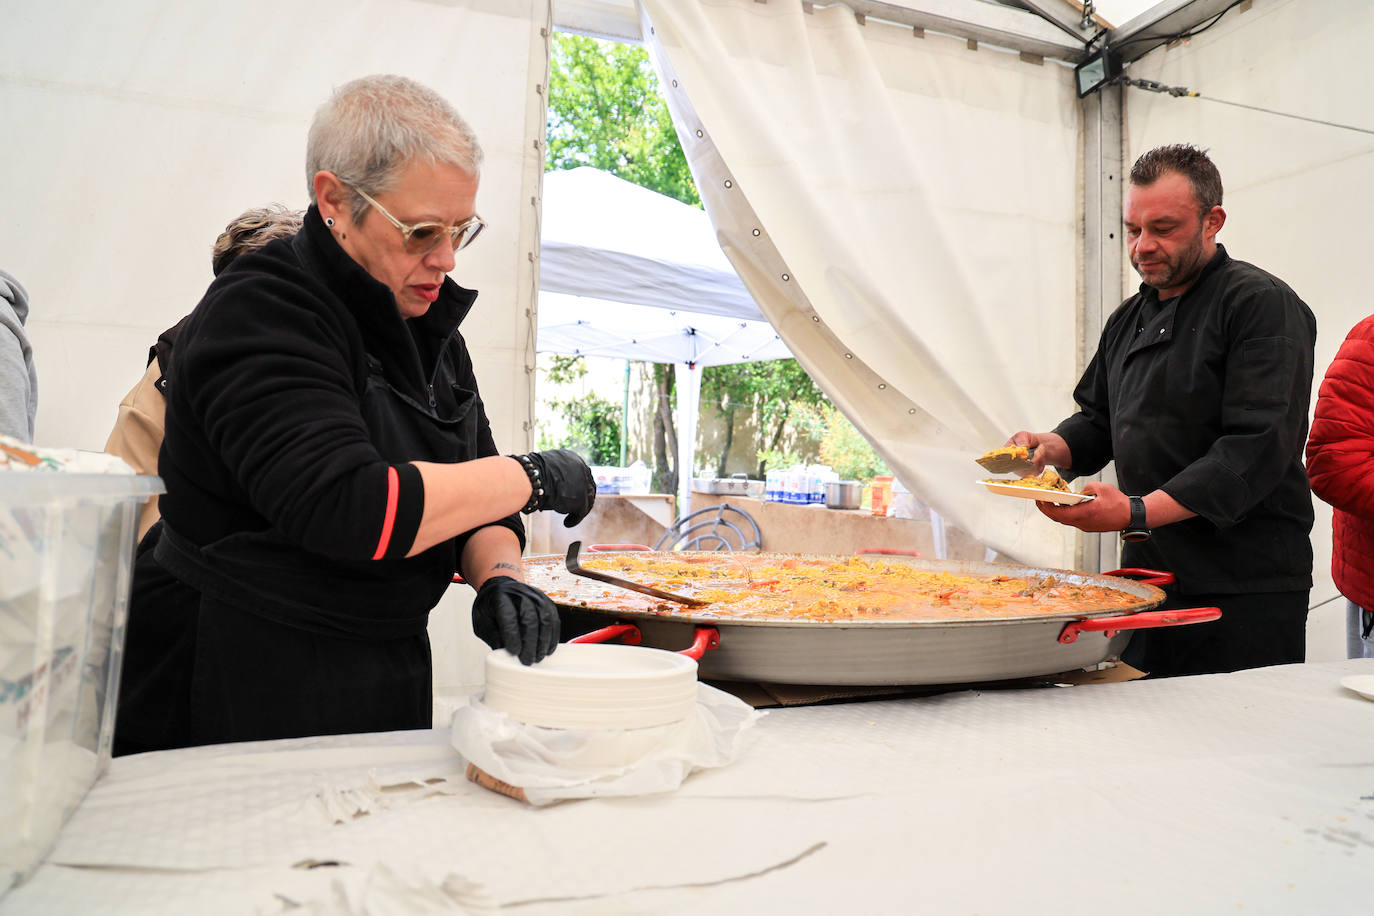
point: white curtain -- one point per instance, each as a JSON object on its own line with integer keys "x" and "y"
{"x": 905, "y": 211}
{"x": 136, "y": 129}
{"x": 1298, "y": 193}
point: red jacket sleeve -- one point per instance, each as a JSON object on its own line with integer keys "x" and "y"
{"x": 1340, "y": 448}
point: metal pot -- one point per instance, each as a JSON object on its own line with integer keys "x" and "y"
{"x": 876, "y": 652}
{"x": 843, "y": 494}
{"x": 736, "y": 485}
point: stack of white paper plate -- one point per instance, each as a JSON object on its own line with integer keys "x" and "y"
{"x": 593, "y": 686}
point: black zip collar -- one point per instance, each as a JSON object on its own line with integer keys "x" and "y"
{"x": 1159, "y": 329}
{"x": 364, "y": 294}
{"x": 373, "y": 305}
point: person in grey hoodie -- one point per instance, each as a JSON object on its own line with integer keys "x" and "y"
{"x": 18, "y": 380}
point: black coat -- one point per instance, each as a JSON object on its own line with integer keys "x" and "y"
{"x": 273, "y": 430}
{"x": 277, "y": 602}
{"x": 1205, "y": 397}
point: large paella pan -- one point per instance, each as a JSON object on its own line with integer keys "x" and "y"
{"x": 890, "y": 620}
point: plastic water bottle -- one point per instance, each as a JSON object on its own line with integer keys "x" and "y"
{"x": 825, "y": 476}
{"x": 820, "y": 475}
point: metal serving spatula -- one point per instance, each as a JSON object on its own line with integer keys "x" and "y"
{"x": 1009, "y": 463}
{"x": 578, "y": 569}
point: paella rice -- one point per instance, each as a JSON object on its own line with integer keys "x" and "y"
{"x": 1049, "y": 479}
{"x": 1007, "y": 451}
{"x": 755, "y": 586}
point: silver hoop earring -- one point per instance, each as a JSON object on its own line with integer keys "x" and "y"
{"x": 329, "y": 221}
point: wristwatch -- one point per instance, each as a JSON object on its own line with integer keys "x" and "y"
{"x": 1137, "y": 530}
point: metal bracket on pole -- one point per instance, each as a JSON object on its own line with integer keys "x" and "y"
{"x": 1104, "y": 175}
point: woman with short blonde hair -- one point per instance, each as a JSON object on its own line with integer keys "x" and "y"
{"x": 328, "y": 459}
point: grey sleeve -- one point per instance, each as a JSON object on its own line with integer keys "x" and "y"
{"x": 18, "y": 387}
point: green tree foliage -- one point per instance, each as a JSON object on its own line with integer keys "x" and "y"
{"x": 593, "y": 428}
{"x": 605, "y": 111}
{"x": 821, "y": 433}
{"x": 565, "y": 369}
{"x": 846, "y": 450}
{"x": 594, "y": 423}
{"x": 775, "y": 390}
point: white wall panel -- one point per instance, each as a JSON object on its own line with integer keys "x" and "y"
{"x": 136, "y": 129}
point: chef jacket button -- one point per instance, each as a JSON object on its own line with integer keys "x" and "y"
{"x": 1161, "y": 330}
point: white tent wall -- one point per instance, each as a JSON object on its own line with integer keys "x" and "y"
{"x": 927, "y": 277}
{"x": 139, "y": 128}
{"x": 1296, "y": 193}
{"x": 136, "y": 129}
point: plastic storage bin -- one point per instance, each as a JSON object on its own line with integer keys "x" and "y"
{"x": 66, "y": 557}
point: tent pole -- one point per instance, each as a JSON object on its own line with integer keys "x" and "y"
{"x": 625, "y": 416}
{"x": 688, "y": 403}
{"x": 1104, "y": 169}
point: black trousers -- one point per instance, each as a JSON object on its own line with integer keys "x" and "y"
{"x": 198, "y": 670}
{"x": 1254, "y": 631}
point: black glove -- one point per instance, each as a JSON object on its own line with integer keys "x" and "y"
{"x": 566, "y": 480}
{"x": 508, "y": 614}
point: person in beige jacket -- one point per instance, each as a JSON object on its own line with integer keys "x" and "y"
{"x": 137, "y": 433}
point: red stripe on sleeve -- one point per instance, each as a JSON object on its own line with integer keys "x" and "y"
{"x": 393, "y": 496}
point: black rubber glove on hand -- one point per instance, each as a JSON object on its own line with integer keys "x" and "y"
{"x": 508, "y": 614}
{"x": 567, "y": 482}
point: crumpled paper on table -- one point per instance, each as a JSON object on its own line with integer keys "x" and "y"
{"x": 551, "y": 764}
{"x": 383, "y": 890}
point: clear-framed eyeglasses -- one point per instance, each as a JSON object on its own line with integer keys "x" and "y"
{"x": 422, "y": 238}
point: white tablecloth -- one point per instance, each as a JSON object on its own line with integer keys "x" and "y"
{"x": 1245, "y": 793}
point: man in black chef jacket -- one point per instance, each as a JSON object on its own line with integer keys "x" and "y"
{"x": 1199, "y": 391}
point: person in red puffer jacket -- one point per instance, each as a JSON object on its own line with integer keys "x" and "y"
{"x": 1340, "y": 463}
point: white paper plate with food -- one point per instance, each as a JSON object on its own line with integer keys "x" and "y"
{"x": 1037, "y": 493}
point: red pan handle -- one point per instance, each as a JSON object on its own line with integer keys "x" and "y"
{"x": 606, "y": 634}
{"x": 889, "y": 551}
{"x": 597, "y": 548}
{"x": 1109, "y": 626}
{"x": 706, "y": 638}
{"x": 1148, "y": 576}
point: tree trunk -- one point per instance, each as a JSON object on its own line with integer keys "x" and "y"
{"x": 773, "y": 445}
{"x": 665, "y": 433}
{"x": 729, "y": 416}
{"x": 661, "y": 469}
{"x": 777, "y": 432}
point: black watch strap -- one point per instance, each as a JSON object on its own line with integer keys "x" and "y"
{"x": 1137, "y": 530}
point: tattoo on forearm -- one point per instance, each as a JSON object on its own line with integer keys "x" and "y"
{"x": 511, "y": 566}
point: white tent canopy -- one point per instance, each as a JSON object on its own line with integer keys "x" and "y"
{"x": 586, "y": 326}
{"x": 629, "y": 273}
{"x": 607, "y": 238}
